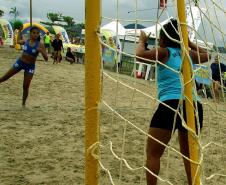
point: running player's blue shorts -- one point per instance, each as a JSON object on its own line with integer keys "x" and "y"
{"x": 28, "y": 68}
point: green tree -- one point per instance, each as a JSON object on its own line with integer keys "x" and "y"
{"x": 53, "y": 17}
{"x": 1, "y": 13}
{"x": 69, "y": 20}
{"x": 75, "y": 30}
{"x": 14, "y": 11}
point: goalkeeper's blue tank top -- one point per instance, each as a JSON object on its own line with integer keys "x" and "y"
{"x": 169, "y": 82}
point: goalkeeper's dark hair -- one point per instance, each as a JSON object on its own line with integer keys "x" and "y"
{"x": 171, "y": 28}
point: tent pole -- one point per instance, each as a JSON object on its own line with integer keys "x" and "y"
{"x": 30, "y": 12}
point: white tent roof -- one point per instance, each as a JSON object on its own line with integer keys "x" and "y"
{"x": 150, "y": 30}
{"x": 113, "y": 27}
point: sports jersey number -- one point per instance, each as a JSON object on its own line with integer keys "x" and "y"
{"x": 31, "y": 71}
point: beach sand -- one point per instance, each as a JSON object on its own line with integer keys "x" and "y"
{"x": 44, "y": 143}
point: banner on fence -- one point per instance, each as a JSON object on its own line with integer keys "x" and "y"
{"x": 202, "y": 74}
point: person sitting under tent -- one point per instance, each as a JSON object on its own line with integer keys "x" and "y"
{"x": 218, "y": 69}
{"x": 69, "y": 56}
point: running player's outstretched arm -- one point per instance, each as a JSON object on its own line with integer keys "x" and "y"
{"x": 42, "y": 50}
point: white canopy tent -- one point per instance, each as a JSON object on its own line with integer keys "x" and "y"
{"x": 132, "y": 34}
{"x": 116, "y": 27}
{"x": 149, "y": 30}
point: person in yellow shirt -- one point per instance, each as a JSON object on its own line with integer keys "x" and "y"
{"x": 47, "y": 42}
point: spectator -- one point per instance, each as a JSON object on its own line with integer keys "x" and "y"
{"x": 217, "y": 69}
{"x": 58, "y": 46}
{"x": 1, "y": 41}
{"x": 47, "y": 42}
{"x": 69, "y": 56}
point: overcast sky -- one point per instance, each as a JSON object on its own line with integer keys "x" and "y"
{"x": 76, "y": 9}
{"x": 73, "y": 8}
